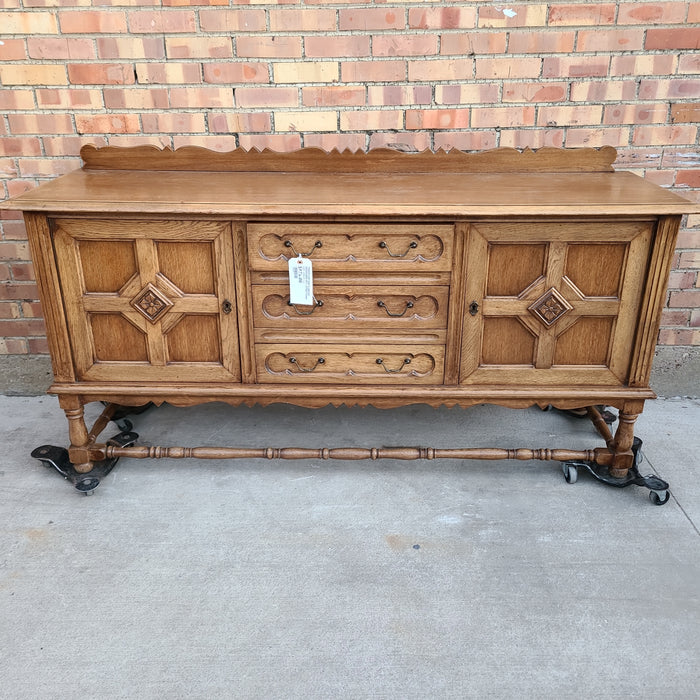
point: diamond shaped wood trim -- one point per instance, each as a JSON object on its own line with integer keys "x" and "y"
{"x": 151, "y": 303}
{"x": 550, "y": 307}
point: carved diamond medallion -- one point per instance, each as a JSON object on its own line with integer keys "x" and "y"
{"x": 550, "y": 307}
{"x": 151, "y": 303}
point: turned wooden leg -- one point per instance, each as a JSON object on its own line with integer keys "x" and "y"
{"x": 78, "y": 433}
{"x": 623, "y": 457}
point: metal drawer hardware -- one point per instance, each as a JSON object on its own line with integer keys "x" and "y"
{"x": 320, "y": 361}
{"x": 306, "y": 313}
{"x": 226, "y": 307}
{"x": 411, "y": 245}
{"x": 289, "y": 244}
{"x": 406, "y": 361}
{"x": 382, "y": 305}
{"x": 474, "y": 308}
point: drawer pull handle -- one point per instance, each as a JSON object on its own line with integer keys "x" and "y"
{"x": 289, "y": 244}
{"x": 411, "y": 245}
{"x": 406, "y": 361}
{"x": 294, "y": 361}
{"x": 306, "y": 313}
{"x": 382, "y": 305}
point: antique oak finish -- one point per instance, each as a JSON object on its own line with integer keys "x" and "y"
{"x": 505, "y": 277}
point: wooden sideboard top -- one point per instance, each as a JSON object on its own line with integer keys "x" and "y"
{"x": 381, "y": 183}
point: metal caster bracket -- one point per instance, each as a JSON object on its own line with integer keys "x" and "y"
{"x": 119, "y": 414}
{"x": 658, "y": 488}
{"x": 608, "y": 416}
{"x": 57, "y": 457}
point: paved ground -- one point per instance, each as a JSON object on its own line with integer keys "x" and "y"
{"x": 285, "y": 580}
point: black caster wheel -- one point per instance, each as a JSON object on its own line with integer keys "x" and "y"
{"x": 570, "y": 473}
{"x": 124, "y": 424}
{"x": 607, "y": 415}
{"x": 659, "y": 498}
{"x": 87, "y": 485}
{"x": 659, "y": 493}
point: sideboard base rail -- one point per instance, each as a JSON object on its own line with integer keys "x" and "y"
{"x": 102, "y": 457}
{"x": 100, "y": 452}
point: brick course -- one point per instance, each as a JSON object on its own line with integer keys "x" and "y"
{"x": 354, "y": 74}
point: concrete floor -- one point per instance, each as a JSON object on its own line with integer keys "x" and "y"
{"x": 285, "y": 580}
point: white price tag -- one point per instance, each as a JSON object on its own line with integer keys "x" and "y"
{"x": 301, "y": 281}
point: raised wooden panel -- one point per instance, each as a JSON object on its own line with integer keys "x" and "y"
{"x": 188, "y": 265}
{"x": 106, "y": 265}
{"x": 378, "y": 364}
{"x": 656, "y": 279}
{"x": 514, "y": 267}
{"x": 587, "y": 342}
{"x": 195, "y": 339}
{"x": 598, "y": 231}
{"x": 177, "y": 307}
{"x": 373, "y": 247}
{"x": 579, "y": 314}
{"x": 106, "y": 229}
{"x": 507, "y": 342}
{"x": 115, "y": 339}
{"x": 596, "y": 269}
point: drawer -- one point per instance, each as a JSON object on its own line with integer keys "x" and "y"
{"x": 352, "y": 246}
{"x": 350, "y": 364}
{"x": 344, "y": 308}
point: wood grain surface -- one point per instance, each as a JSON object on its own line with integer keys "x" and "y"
{"x": 514, "y": 278}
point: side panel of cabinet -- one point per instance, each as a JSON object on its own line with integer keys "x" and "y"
{"x": 149, "y": 300}
{"x": 39, "y": 235}
{"x": 553, "y": 302}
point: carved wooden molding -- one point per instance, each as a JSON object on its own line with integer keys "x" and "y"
{"x": 101, "y": 451}
{"x": 151, "y": 303}
{"x": 381, "y": 160}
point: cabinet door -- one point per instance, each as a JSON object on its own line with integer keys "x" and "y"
{"x": 553, "y": 302}
{"x": 149, "y": 300}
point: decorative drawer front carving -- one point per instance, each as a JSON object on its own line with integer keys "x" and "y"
{"x": 348, "y": 307}
{"x": 352, "y": 246}
{"x": 366, "y": 364}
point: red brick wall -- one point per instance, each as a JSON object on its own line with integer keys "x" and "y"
{"x": 349, "y": 74}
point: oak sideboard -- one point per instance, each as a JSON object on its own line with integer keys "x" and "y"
{"x": 503, "y": 277}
